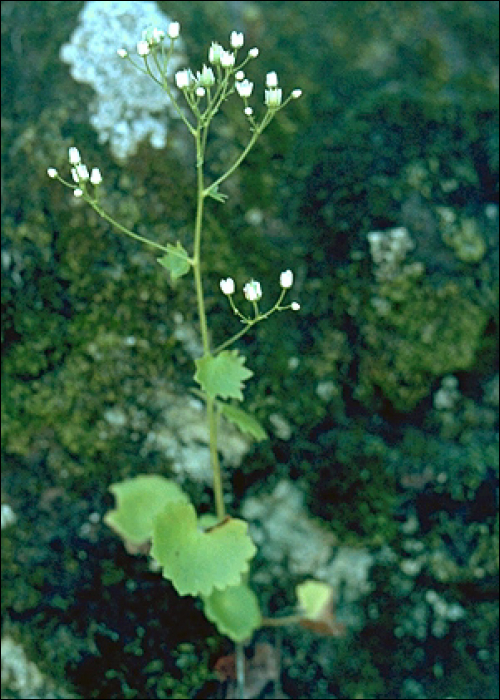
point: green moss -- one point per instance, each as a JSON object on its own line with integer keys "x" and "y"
{"x": 430, "y": 333}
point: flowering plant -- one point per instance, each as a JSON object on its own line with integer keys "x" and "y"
{"x": 206, "y": 556}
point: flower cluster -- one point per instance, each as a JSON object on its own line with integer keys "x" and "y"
{"x": 79, "y": 173}
{"x": 224, "y": 63}
{"x": 252, "y": 291}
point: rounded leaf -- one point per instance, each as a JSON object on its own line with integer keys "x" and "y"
{"x": 198, "y": 561}
{"x": 138, "y": 501}
{"x": 235, "y": 611}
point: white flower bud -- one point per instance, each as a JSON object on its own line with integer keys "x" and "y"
{"x": 295, "y": 306}
{"x": 78, "y": 192}
{"x": 272, "y": 79}
{"x": 205, "y": 77}
{"x": 252, "y": 291}
{"x": 248, "y": 111}
{"x": 82, "y": 172}
{"x": 174, "y": 29}
{"x": 253, "y": 53}
{"x": 200, "y": 91}
{"x": 214, "y": 53}
{"x": 237, "y": 40}
{"x": 296, "y": 94}
{"x": 122, "y": 53}
{"x": 244, "y": 88}
{"x": 286, "y": 279}
{"x": 143, "y": 47}
{"x": 74, "y": 155}
{"x": 273, "y": 97}
{"x": 240, "y": 75}
{"x": 95, "y": 176}
{"x": 227, "y": 286}
{"x": 227, "y": 59}
{"x": 183, "y": 78}
{"x": 52, "y": 172}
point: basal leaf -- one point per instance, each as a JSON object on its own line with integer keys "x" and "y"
{"x": 196, "y": 561}
{"x": 176, "y": 261}
{"x": 243, "y": 420}
{"x": 222, "y": 375}
{"x": 138, "y": 501}
{"x": 235, "y": 611}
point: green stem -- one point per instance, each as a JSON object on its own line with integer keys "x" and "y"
{"x": 123, "y": 229}
{"x": 201, "y": 139}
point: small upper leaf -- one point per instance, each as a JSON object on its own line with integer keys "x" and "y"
{"x": 222, "y": 375}
{"x": 243, "y": 420}
{"x": 138, "y": 501}
{"x": 176, "y": 261}
{"x": 196, "y": 561}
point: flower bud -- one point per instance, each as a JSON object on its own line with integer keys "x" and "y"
{"x": 205, "y": 77}
{"x": 252, "y": 291}
{"x": 273, "y": 97}
{"x": 272, "y": 80}
{"x": 286, "y": 279}
{"x": 143, "y": 47}
{"x": 244, "y": 88}
{"x": 236, "y": 40}
{"x": 74, "y": 155}
{"x": 52, "y": 172}
{"x": 214, "y": 53}
{"x": 227, "y": 59}
{"x": 174, "y": 29}
{"x": 95, "y": 176}
{"x": 227, "y": 286}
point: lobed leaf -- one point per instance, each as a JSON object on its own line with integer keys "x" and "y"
{"x": 243, "y": 420}
{"x": 138, "y": 501}
{"x": 176, "y": 261}
{"x": 222, "y": 375}
{"x": 196, "y": 561}
{"x": 235, "y": 611}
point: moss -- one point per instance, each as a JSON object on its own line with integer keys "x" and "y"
{"x": 430, "y": 333}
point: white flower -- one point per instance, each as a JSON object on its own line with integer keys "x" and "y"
{"x": 244, "y": 88}
{"x": 200, "y": 91}
{"x": 227, "y": 59}
{"x": 82, "y": 172}
{"x": 296, "y": 94}
{"x": 122, "y": 53}
{"x": 174, "y": 29}
{"x": 74, "y": 174}
{"x": 237, "y": 40}
{"x": 272, "y": 79}
{"x": 227, "y": 286}
{"x": 253, "y": 53}
{"x": 286, "y": 279}
{"x": 143, "y": 47}
{"x": 295, "y": 306}
{"x": 52, "y": 172}
{"x": 95, "y": 176}
{"x": 183, "y": 78}
{"x": 206, "y": 77}
{"x": 78, "y": 192}
{"x": 74, "y": 155}
{"x": 273, "y": 97}
{"x": 214, "y": 53}
{"x": 252, "y": 291}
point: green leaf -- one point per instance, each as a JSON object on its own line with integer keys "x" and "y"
{"x": 213, "y": 191}
{"x": 235, "y": 611}
{"x": 138, "y": 501}
{"x": 222, "y": 375}
{"x": 314, "y": 597}
{"x": 243, "y": 420}
{"x": 196, "y": 561}
{"x": 176, "y": 261}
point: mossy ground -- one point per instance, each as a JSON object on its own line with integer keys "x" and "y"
{"x": 398, "y": 123}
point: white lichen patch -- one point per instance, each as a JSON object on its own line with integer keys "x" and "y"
{"x": 128, "y": 107}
